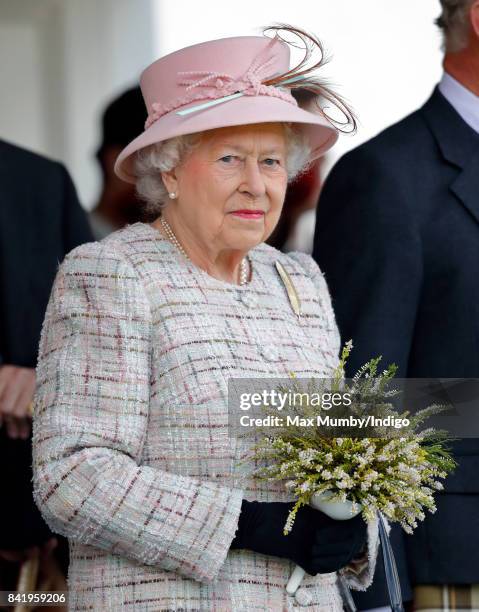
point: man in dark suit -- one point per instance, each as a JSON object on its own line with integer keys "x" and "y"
{"x": 397, "y": 237}
{"x": 41, "y": 220}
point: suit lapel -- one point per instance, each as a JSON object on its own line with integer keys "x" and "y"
{"x": 466, "y": 186}
{"x": 459, "y": 146}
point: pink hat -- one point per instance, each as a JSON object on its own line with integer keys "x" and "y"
{"x": 221, "y": 83}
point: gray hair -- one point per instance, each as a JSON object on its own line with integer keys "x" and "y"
{"x": 165, "y": 156}
{"x": 454, "y": 23}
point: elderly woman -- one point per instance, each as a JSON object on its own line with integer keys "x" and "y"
{"x": 133, "y": 456}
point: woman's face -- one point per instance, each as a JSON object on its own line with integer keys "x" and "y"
{"x": 231, "y": 188}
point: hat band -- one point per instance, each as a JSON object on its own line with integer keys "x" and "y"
{"x": 221, "y": 87}
{"x": 217, "y": 96}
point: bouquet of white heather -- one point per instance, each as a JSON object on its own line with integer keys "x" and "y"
{"x": 396, "y": 475}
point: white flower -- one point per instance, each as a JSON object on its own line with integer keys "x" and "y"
{"x": 361, "y": 461}
{"x": 289, "y": 523}
{"x": 345, "y": 483}
{"x": 339, "y": 473}
{"x": 305, "y": 486}
{"x": 285, "y": 467}
{"x": 307, "y": 455}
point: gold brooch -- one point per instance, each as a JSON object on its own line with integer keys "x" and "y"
{"x": 290, "y": 288}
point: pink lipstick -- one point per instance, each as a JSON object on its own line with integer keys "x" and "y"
{"x": 248, "y": 214}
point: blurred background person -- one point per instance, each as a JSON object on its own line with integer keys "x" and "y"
{"x": 123, "y": 119}
{"x": 404, "y": 208}
{"x": 40, "y": 221}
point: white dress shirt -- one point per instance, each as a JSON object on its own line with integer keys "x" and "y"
{"x": 461, "y": 99}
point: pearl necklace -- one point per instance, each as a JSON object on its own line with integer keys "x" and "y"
{"x": 174, "y": 240}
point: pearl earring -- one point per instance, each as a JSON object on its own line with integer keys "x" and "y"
{"x": 172, "y": 195}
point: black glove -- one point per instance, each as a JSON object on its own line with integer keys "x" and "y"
{"x": 317, "y": 543}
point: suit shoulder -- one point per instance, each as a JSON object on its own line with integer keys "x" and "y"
{"x": 393, "y": 143}
{"x": 107, "y": 256}
{"x": 89, "y": 252}
{"x": 102, "y": 271}
{"x": 305, "y": 261}
{"x": 302, "y": 263}
{"x": 15, "y": 157}
{"x": 96, "y": 277}
{"x": 136, "y": 242}
{"x": 130, "y": 247}
{"x": 309, "y": 267}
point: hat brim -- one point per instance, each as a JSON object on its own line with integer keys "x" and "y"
{"x": 239, "y": 111}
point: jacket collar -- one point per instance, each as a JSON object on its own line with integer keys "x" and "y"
{"x": 459, "y": 145}
{"x": 457, "y": 141}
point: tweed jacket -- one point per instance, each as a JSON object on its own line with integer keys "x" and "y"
{"x": 132, "y": 455}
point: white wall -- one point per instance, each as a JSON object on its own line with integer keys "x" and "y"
{"x": 108, "y": 43}
{"x": 25, "y": 100}
{"x": 61, "y": 62}
{"x": 386, "y": 54}
{"x": 22, "y": 105}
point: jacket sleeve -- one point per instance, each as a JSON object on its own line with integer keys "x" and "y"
{"x": 367, "y": 243}
{"x": 90, "y": 423}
